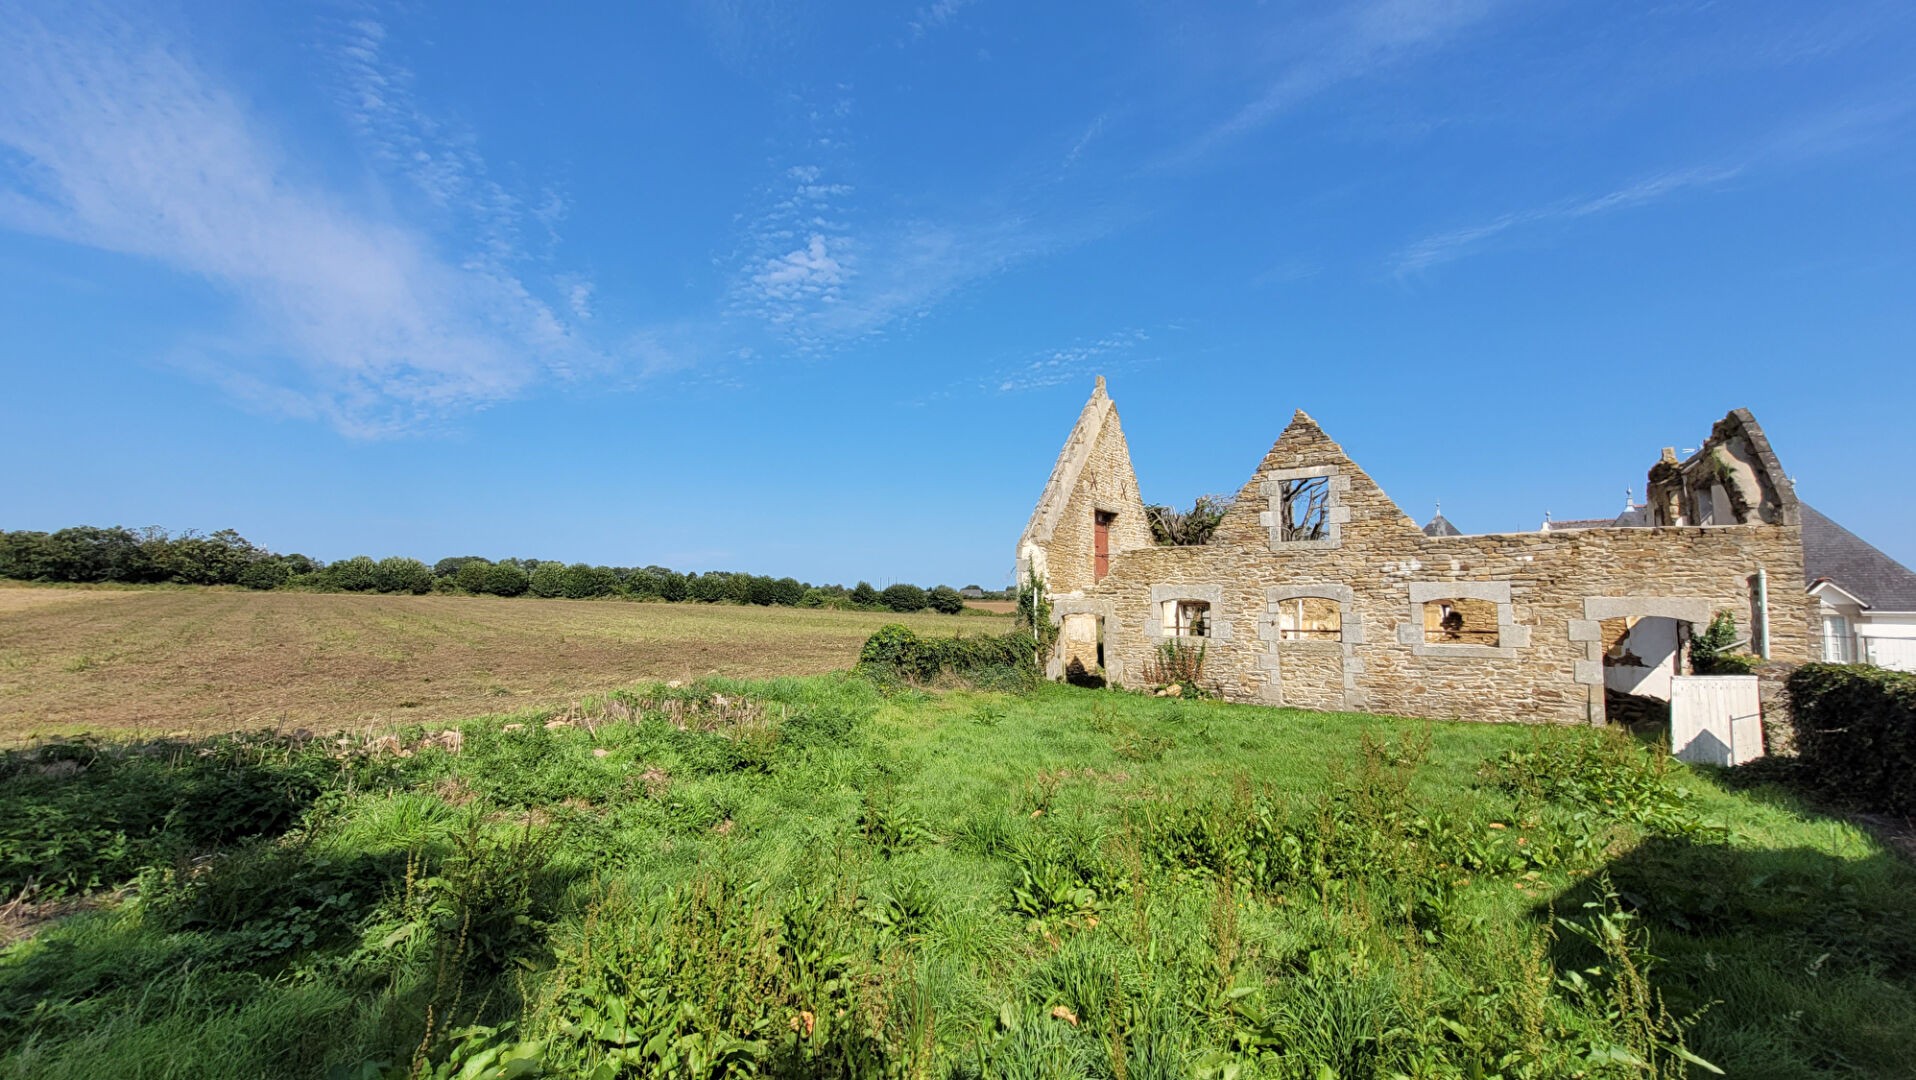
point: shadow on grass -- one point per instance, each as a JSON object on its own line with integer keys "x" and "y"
{"x": 240, "y": 916}
{"x": 1796, "y": 963}
{"x": 76, "y": 816}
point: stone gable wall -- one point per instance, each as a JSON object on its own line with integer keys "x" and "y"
{"x": 1105, "y": 483}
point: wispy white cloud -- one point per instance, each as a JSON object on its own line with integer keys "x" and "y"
{"x": 1078, "y": 362}
{"x": 1332, "y": 49}
{"x": 932, "y": 16}
{"x": 124, "y": 144}
{"x": 843, "y": 283}
{"x": 1090, "y": 135}
{"x": 1805, "y": 138}
{"x": 1456, "y": 243}
{"x": 818, "y": 266}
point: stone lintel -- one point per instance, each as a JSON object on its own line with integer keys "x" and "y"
{"x": 1496, "y": 592}
{"x": 1685, "y": 609}
{"x": 1280, "y": 593}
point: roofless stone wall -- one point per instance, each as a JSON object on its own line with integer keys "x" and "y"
{"x": 1550, "y": 592}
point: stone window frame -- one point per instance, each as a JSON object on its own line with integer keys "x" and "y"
{"x": 1336, "y": 512}
{"x": 1210, "y": 594}
{"x": 1350, "y": 624}
{"x": 1351, "y": 634}
{"x": 1510, "y": 635}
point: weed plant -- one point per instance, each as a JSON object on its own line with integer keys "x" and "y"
{"x": 821, "y": 877}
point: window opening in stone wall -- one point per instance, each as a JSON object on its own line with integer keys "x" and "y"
{"x": 1187, "y": 618}
{"x": 1460, "y": 621}
{"x": 1310, "y": 618}
{"x": 1304, "y": 508}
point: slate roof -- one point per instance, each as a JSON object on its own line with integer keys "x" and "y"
{"x": 1637, "y": 517}
{"x": 1441, "y": 526}
{"x": 1854, "y": 565}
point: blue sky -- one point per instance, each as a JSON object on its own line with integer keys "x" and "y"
{"x": 819, "y": 290}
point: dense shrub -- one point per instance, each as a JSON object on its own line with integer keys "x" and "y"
{"x": 1856, "y": 733}
{"x": 357, "y": 574}
{"x": 450, "y": 567}
{"x": 894, "y": 652}
{"x": 470, "y": 574}
{"x": 505, "y": 579}
{"x": 266, "y": 574}
{"x": 902, "y": 597}
{"x": 547, "y": 580}
{"x": 864, "y": 595}
{"x": 582, "y": 582}
{"x": 402, "y": 575}
{"x": 193, "y": 559}
{"x": 945, "y": 600}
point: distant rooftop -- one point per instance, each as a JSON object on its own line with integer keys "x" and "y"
{"x": 1633, "y": 517}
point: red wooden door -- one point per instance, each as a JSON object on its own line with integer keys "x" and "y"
{"x": 1101, "y": 546}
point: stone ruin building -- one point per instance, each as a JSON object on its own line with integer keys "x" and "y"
{"x": 1316, "y": 591}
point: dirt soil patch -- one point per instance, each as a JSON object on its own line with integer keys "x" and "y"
{"x": 137, "y": 661}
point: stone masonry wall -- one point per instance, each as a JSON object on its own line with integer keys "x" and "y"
{"x": 1551, "y": 592}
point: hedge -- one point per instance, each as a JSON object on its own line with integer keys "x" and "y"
{"x": 1856, "y": 733}
{"x": 998, "y": 661}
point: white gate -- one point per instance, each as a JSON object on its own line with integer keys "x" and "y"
{"x": 1715, "y": 719}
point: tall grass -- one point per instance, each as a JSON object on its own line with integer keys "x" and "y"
{"x": 813, "y": 877}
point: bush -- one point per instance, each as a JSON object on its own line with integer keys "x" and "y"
{"x": 1710, "y": 651}
{"x": 266, "y": 574}
{"x": 902, "y": 597}
{"x": 470, "y": 575}
{"x": 582, "y": 582}
{"x": 505, "y": 579}
{"x": 1856, "y": 733}
{"x": 894, "y": 652}
{"x": 945, "y": 600}
{"x": 450, "y": 567}
{"x": 398, "y": 574}
{"x": 864, "y": 595}
{"x": 547, "y": 580}
{"x": 788, "y": 592}
{"x": 357, "y": 574}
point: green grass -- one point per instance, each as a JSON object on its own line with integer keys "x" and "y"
{"x": 808, "y": 877}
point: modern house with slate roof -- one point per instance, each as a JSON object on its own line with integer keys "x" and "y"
{"x": 1868, "y": 599}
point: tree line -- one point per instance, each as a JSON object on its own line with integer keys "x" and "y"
{"x": 90, "y": 554}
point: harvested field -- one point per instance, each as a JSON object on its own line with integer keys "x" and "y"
{"x": 205, "y": 660}
{"x": 994, "y": 607}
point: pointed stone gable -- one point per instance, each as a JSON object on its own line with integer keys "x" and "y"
{"x": 1304, "y": 449}
{"x": 1070, "y": 465}
{"x": 1093, "y": 474}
